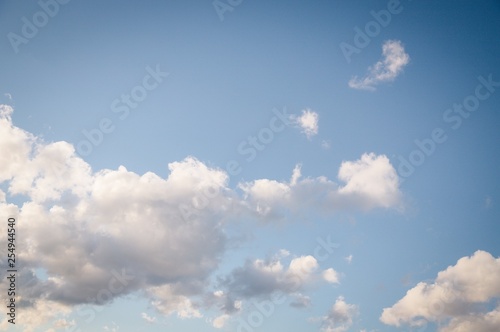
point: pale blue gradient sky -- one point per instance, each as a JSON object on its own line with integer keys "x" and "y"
{"x": 226, "y": 77}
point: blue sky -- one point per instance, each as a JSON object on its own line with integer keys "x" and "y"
{"x": 251, "y": 165}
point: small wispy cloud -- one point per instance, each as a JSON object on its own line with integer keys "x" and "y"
{"x": 63, "y": 323}
{"x": 148, "y": 318}
{"x": 386, "y": 70}
{"x": 300, "y": 301}
{"x": 307, "y": 122}
{"x": 220, "y": 321}
{"x": 326, "y": 144}
{"x": 488, "y": 202}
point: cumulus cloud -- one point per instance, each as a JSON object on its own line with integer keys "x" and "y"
{"x": 454, "y": 297}
{"x": 101, "y": 234}
{"x": 307, "y": 122}
{"x": 386, "y": 70}
{"x": 260, "y": 277}
{"x": 331, "y": 276}
{"x": 370, "y": 182}
{"x": 170, "y": 248}
{"x": 340, "y": 317}
{"x": 263, "y": 279}
{"x": 66, "y": 206}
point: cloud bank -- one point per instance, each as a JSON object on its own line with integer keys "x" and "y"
{"x": 89, "y": 237}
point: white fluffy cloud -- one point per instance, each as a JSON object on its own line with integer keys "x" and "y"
{"x": 141, "y": 215}
{"x": 386, "y": 70}
{"x": 331, "y": 276}
{"x": 455, "y": 294}
{"x": 340, "y": 317}
{"x": 370, "y": 182}
{"x": 147, "y": 244}
{"x": 307, "y": 122}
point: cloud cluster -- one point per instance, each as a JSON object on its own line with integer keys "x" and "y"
{"x": 259, "y": 277}
{"x": 98, "y": 235}
{"x": 147, "y": 244}
{"x": 386, "y": 70}
{"x": 455, "y": 299}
